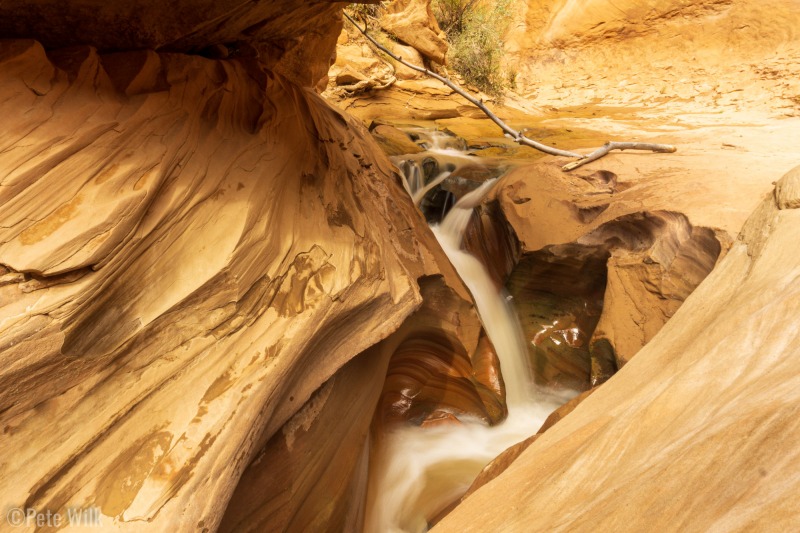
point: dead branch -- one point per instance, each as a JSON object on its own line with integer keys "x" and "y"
{"x": 368, "y": 85}
{"x": 517, "y": 136}
{"x": 608, "y": 146}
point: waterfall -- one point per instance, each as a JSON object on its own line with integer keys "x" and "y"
{"x": 497, "y": 315}
{"x": 420, "y": 471}
{"x": 419, "y": 194}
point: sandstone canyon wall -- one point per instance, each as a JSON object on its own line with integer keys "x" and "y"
{"x": 698, "y": 431}
{"x": 192, "y": 242}
{"x": 715, "y": 53}
{"x": 213, "y": 287}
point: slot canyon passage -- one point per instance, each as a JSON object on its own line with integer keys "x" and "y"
{"x": 255, "y": 276}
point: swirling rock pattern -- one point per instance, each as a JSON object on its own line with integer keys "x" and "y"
{"x": 189, "y": 248}
{"x": 709, "y": 443}
{"x": 597, "y": 276}
{"x": 442, "y": 365}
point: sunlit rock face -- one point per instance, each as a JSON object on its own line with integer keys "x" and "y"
{"x": 697, "y": 432}
{"x": 189, "y": 248}
{"x": 412, "y": 22}
{"x": 656, "y": 259}
{"x": 596, "y": 277}
{"x": 705, "y": 53}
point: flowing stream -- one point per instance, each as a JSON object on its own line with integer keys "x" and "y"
{"x": 420, "y": 471}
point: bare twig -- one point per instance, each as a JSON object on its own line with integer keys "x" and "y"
{"x": 607, "y": 147}
{"x": 517, "y": 136}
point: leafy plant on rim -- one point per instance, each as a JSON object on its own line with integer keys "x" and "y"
{"x": 475, "y": 30}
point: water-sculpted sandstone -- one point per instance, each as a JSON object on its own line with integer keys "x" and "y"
{"x": 206, "y": 273}
{"x": 597, "y": 277}
{"x": 190, "y": 247}
{"x": 708, "y": 442}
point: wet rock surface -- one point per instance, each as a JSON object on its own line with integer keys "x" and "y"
{"x": 597, "y": 279}
{"x": 708, "y": 418}
{"x": 442, "y": 363}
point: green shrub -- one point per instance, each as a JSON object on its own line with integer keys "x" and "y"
{"x": 451, "y": 15}
{"x": 475, "y": 31}
{"x": 366, "y": 12}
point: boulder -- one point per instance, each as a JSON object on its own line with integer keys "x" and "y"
{"x": 349, "y": 76}
{"x": 412, "y": 22}
{"x": 697, "y": 432}
{"x": 410, "y": 54}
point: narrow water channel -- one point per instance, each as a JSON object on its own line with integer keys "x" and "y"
{"x": 420, "y": 471}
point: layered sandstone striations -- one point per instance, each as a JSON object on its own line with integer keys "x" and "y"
{"x": 442, "y": 367}
{"x": 738, "y": 55}
{"x": 293, "y": 38}
{"x": 708, "y": 443}
{"x": 598, "y": 269}
{"x": 189, "y": 248}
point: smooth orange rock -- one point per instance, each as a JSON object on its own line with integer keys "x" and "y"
{"x": 697, "y": 432}
{"x": 598, "y": 277}
{"x": 412, "y": 22}
{"x": 190, "y": 248}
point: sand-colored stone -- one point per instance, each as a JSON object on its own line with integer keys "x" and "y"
{"x": 697, "y": 432}
{"x": 410, "y": 54}
{"x": 195, "y": 249}
{"x": 311, "y": 474}
{"x": 190, "y": 248}
{"x": 787, "y": 190}
{"x": 349, "y": 76}
{"x": 735, "y": 54}
{"x": 412, "y": 22}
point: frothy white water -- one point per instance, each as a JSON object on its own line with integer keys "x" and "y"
{"x": 497, "y": 315}
{"x": 419, "y": 194}
{"x": 412, "y": 179}
{"x": 419, "y": 471}
{"x": 442, "y": 144}
{"x": 455, "y": 223}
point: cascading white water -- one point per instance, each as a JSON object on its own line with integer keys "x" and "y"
{"x": 497, "y": 315}
{"x": 420, "y": 471}
{"x": 419, "y": 194}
